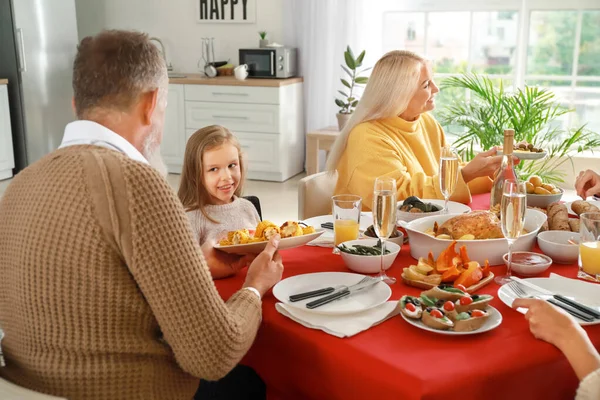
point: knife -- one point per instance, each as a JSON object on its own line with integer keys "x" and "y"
{"x": 578, "y": 306}
{"x": 342, "y": 293}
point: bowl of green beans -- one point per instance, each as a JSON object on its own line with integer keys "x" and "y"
{"x": 364, "y": 255}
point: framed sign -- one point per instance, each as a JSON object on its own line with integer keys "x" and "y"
{"x": 228, "y": 11}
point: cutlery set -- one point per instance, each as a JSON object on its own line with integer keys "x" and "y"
{"x": 334, "y": 293}
{"x": 574, "y": 308}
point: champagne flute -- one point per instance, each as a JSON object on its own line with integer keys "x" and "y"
{"x": 448, "y": 174}
{"x": 384, "y": 216}
{"x": 512, "y": 216}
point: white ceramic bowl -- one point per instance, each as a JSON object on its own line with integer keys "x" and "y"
{"x": 554, "y": 244}
{"x": 528, "y": 269}
{"x": 543, "y": 200}
{"x": 479, "y": 250}
{"x": 369, "y": 264}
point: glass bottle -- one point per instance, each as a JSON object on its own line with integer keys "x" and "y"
{"x": 506, "y": 170}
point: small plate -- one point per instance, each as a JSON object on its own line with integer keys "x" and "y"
{"x": 580, "y": 291}
{"x": 570, "y": 210}
{"x": 360, "y": 301}
{"x": 493, "y": 321}
{"x": 526, "y": 155}
{"x": 286, "y": 243}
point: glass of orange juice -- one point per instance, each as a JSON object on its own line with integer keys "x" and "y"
{"x": 589, "y": 247}
{"x": 346, "y": 218}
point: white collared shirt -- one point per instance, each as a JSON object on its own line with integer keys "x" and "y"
{"x": 89, "y": 132}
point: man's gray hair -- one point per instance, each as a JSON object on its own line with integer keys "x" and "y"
{"x": 112, "y": 69}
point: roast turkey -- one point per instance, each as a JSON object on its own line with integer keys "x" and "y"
{"x": 481, "y": 224}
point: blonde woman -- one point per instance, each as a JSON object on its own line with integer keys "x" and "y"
{"x": 391, "y": 133}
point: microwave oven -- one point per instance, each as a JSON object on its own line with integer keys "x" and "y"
{"x": 270, "y": 62}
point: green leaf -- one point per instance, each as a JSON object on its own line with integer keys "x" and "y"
{"x": 360, "y": 58}
{"x": 349, "y": 61}
{"x": 350, "y": 74}
{"x": 345, "y": 82}
{"x": 349, "y": 51}
{"x": 342, "y": 93}
{"x": 354, "y": 103}
{"x": 350, "y": 99}
{"x": 361, "y": 80}
{"x": 339, "y": 103}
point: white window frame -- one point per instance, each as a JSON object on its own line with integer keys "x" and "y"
{"x": 525, "y": 8}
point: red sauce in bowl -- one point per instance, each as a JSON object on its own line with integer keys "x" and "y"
{"x": 529, "y": 259}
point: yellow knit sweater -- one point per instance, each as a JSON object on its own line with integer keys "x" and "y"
{"x": 104, "y": 293}
{"x": 407, "y": 151}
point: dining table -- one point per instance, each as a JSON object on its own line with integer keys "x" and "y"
{"x": 395, "y": 360}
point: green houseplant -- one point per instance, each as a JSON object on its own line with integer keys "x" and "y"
{"x": 532, "y": 112}
{"x": 349, "y": 99}
{"x": 263, "y": 42}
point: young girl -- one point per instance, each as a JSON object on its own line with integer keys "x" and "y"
{"x": 211, "y": 183}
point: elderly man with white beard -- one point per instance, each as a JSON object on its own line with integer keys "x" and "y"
{"x": 104, "y": 293}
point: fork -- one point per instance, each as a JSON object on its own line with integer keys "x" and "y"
{"x": 324, "y": 291}
{"x": 518, "y": 290}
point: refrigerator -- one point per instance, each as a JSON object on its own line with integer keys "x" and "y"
{"x": 38, "y": 42}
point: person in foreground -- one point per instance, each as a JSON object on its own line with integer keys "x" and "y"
{"x": 587, "y": 184}
{"x": 392, "y": 134}
{"x": 105, "y": 293}
{"x": 561, "y": 330}
{"x": 211, "y": 183}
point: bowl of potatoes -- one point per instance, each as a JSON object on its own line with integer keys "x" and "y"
{"x": 540, "y": 194}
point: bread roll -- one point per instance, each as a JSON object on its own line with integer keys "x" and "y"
{"x": 579, "y": 207}
{"x": 558, "y": 217}
{"x": 574, "y": 224}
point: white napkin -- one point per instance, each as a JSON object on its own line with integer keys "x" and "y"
{"x": 325, "y": 240}
{"x": 341, "y": 325}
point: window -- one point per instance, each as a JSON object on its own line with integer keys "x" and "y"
{"x": 534, "y": 42}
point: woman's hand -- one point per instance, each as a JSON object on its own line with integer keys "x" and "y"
{"x": 547, "y": 323}
{"x": 266, "y": 270}
{"x": 587, "y": 184}
{"x": 555, "y": 327}
{"x": 484, "y": 164}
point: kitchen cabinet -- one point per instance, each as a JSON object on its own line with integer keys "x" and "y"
{"x": 7, "y": 160}
{"x": 265, "y": 115}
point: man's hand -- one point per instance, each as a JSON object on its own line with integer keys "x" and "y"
{"x": 266, "y": 269}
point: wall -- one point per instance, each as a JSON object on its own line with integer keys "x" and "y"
{"x": 175, "y": 23}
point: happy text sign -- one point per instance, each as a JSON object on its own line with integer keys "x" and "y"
{"x": 240, "y": 11}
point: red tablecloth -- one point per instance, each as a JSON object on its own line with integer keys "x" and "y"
{"x": 398, "y": 361}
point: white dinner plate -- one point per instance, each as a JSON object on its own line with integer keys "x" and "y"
{"x": 570, "y": 210}
{"x": 285, "y": 243}
{"x": 357, "y": 302}
{"x": 492, "y": 322}
{"x": 366, "y": 220}
{"x": 582, "y": 292}
{"x": 453, "y": 208}
{"x": 526, "y": 155}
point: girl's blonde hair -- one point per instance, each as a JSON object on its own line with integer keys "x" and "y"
{"x": 392, "y": 85}
{"x": 192, "y": 192}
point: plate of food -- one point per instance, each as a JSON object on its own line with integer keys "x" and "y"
{"x": 454, "y": 269}
{"x": 526, "y": 151}
{"x": 579, "y": 207}
{"x": 452, "y": 313}
{"x": 413, "y": 208}
{"x": 292, "y": 234}
{"x": 479, "y": 231}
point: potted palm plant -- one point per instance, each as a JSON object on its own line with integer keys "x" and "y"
{"x": 349, "y": 101}
{"x": 532, "y": 112}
